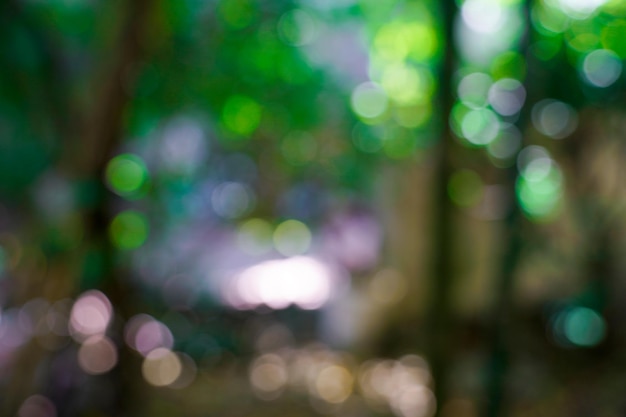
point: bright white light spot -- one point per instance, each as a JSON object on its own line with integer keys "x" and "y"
{"x": 97, "y": 355}
{"x": 279, "y": 283}
{"x": 554, "y": 118}
{"x": 90, "y": 315}
{"x": 602, "y": 68}
{"x": 486, "y": 29}
{"x": 369, "y": 100}
{"x": 483, "y": 16}
{"x": 580, "y": 9}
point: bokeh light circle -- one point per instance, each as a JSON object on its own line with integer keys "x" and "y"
{"x": 37, "y": 406}
{"x": 292, "y": 237}
{"x": 554, "y": 118}
{"x": 507, "y": 96}
{"x": 129, "y": 230}
{"x": 480, "y": 126}
{"x": 90, "y": 315}
{"x": 582, "y": 326}
{"x": 161, "y": 367}
{"x": 601, "y": 68}
{"x": 369, "y": 100}
{"x": 297, "y": 27}
{"x": 334, "y": 384}
{"x": 126, "y": 175}
{"x": 255, "y": 236}
{"x": 268, "y": 375}
{"x": 241, "y": 115}
{"x": 97, "y": 355}
{"x": 232, "y": 200}
{"x": 473, "y": 89}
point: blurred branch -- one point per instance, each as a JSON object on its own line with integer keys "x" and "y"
{"x": 103, "y": 131}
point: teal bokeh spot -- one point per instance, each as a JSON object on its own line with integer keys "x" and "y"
{"x": 584, "y": 327}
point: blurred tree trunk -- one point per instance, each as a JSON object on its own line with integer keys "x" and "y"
{"x": 501, "y": 324}
{"x": 85, "y": 149}
{"x": 440, "y": 320}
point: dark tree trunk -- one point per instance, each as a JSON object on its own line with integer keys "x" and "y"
{"x": 83, "y": 155}
{"x": 441, "y": 324}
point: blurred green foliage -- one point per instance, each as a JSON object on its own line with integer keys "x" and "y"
{"x": 148, "y": 149}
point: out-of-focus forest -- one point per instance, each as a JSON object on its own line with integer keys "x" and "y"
{"x": 354, "y": 208}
